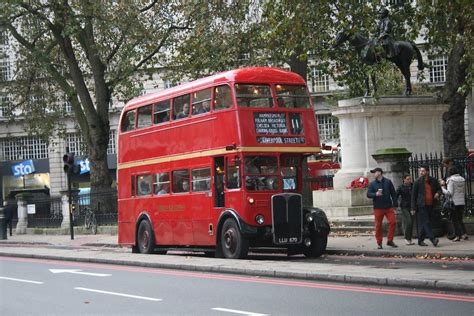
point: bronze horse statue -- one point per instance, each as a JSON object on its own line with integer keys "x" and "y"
{"x": 370, "y": 53}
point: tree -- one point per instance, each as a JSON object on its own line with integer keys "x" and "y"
{"x": 449, "y": 29}
{"x": 85, "y": 52}
{"x": 294, "y": 32}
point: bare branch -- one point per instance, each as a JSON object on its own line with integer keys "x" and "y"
{"x": 122, "y": 75}
{"x": 148, "y": 7}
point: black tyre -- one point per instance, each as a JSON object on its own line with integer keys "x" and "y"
{"x": 233, "y": 244}
{"x": 210, "y": 254}
{"x": 145, "y": 238}
{"x": 317, "y": 248}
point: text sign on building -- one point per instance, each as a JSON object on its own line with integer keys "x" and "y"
{"x": 23, "y": 168}
{"x": 84, "y": 164}
{"x": 270, "y": 123}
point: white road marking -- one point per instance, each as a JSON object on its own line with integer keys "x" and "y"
{"x": 119, "y": 294}
{"x": 235, "y": 311}
{"x": 77, "y": 271}
{"x": 21, "y": 280}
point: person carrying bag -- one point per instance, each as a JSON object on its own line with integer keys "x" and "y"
{"x": 454, "y": 190}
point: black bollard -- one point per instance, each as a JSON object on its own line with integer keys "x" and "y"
{"x": 3, "y": 226}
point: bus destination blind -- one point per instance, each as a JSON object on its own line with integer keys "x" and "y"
{"x": 267, "y": 123}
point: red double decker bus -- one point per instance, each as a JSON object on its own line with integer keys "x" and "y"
{"x": 215, "y": 165}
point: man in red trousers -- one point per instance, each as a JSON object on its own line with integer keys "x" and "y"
{"x": 383, "y": 193}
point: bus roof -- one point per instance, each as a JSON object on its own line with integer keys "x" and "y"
{"x": 244, "y": 75}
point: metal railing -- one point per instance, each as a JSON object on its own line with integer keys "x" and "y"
{"x": 48, "y": 212}
{"x": 321, "y": 182}
{"x": 103, "y": 204}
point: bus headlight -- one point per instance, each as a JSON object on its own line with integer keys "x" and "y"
{"x": 309, "y": 217}
{"x": 251, "y": 200}
{"x": 260, "y": 219}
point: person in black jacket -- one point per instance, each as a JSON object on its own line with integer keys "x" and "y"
{"x": 9, "y": 208}
{"x": 426, "y": 189}
{"x": 404, "y": 191}
{"x": 382, "y": 192}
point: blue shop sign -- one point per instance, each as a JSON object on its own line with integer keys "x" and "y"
{"x": 23, "y": 168}
{"x": 84, "y": 164}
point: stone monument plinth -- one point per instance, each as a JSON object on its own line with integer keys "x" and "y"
{"x": 369, "y": 124}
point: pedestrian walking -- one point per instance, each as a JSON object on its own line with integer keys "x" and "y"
{"x": 426, "y": 190}
{"x": 384, "y": 196}
{"x": 455, "y": 187}
{"x": 9, "y": 208}
{"x": 404, "y": 194}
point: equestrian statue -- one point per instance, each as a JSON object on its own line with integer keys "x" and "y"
{"x": 401, "y": 53}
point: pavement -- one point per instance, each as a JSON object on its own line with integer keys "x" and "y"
{"x": 104, "y": 249}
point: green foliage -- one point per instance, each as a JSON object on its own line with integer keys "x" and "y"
{"x": 85, "y": 52}
{"x": 449, "y": 24}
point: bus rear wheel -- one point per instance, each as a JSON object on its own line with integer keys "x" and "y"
{"x": 145, "y": 238}
{"x": 233, "y": 244}
{"x": 317, "y": 247}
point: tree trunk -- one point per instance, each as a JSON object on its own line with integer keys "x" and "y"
{"x": 299, "y": 66}
{"x": 99, "y": 175}
{"x": 453, "y": 120}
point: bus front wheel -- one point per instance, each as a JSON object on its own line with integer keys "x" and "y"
{"x": 317, "y": 247}
{"x": 145, "y": 238}
{"x": 233, "y": 244}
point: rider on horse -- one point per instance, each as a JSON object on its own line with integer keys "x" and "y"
{"x": 385, "y": 34}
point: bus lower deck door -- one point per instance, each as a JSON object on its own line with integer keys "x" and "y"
{"x": 201, "y": 204}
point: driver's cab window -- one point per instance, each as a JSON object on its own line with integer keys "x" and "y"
{"x": 289, "y": 172}
{"x": 261, "y": 173}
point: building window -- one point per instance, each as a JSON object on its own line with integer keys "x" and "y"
{"x": 328, "y": 127}
{"x": 23, "y": 148}
{"x": 67, "y": 106}
{"x": 111, "y": 148}
{"x": 319, "y": 81}
{"x": 76, "y": 144}
{"x": 169, "y": 83}
{"x": 5, "y": 104}
{"x": 5, "y": 70}
{"x": 3, "y": 37}
{"x": 438, "y": 66}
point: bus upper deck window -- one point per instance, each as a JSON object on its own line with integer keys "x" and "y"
{"x": 253, "y": 96}
{"x": 222, "y": 98}
{"x": 144, "y": 116}
{"x": 128, "y": 122}
{"x": 201, "y": 101}
{"x": 292, "y": 96}
{"x": 181, "y": 107}
{"x": 161, "y": 112}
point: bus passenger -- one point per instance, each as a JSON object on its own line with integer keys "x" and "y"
{"x": 205, "y": 107}
{"x": 185, "y": 112}
{"x": 145, "y": 187}
{"x": 165, "y": 189}
{"x": 185, "y": 186}
{"x": 250, "y": 168}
